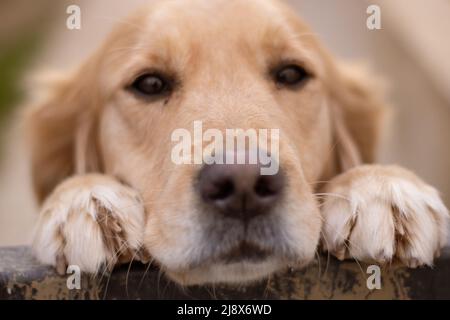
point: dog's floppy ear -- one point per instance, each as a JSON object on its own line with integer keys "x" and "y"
{"x": 358, "y": 110}
{"x": 61, "y": 131}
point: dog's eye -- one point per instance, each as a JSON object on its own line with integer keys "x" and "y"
{"x": 291, "y": 75}
{"x": 150, "y": 85}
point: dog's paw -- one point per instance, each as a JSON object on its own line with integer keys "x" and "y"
{"x": 383, "y": 213}
{"x": 91, "y": 221}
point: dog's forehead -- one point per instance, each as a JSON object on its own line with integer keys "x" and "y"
{"x": 208, "y": 20}
{"x": 182, "y": 36}
{"x": 212, "y": 11}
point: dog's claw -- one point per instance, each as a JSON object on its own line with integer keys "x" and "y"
{"x": 61, "y": 264}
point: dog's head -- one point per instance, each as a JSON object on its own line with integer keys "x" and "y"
{"x": 179, "y": 65}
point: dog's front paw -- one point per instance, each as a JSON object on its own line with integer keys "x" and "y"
{"x": 381, "y": 213}
{"x": 91, "y": 221}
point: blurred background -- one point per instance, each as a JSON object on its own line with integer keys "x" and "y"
{"x": 411, "y": 51}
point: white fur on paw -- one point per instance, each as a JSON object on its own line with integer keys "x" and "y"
{"x": 89, "y": 221}
{"x": 378, "y": 213}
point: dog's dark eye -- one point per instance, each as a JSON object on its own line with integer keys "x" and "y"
{"x": 291, "y": 75}
{"x": 150, "y": 85}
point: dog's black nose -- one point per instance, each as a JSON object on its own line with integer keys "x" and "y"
{"x": 239, "y": 190}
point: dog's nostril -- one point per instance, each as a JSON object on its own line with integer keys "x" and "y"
{"x": 221, "y": 190}
{"x": 266, "y": 187}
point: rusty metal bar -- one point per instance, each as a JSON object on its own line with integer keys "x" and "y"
{"x": 21, "y": 277}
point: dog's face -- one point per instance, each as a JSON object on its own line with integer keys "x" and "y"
{"x": 230, "y": 64}
{"x": 247, "y": 69}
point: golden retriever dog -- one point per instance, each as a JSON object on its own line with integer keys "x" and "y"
{"x": 101, "y": 146}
